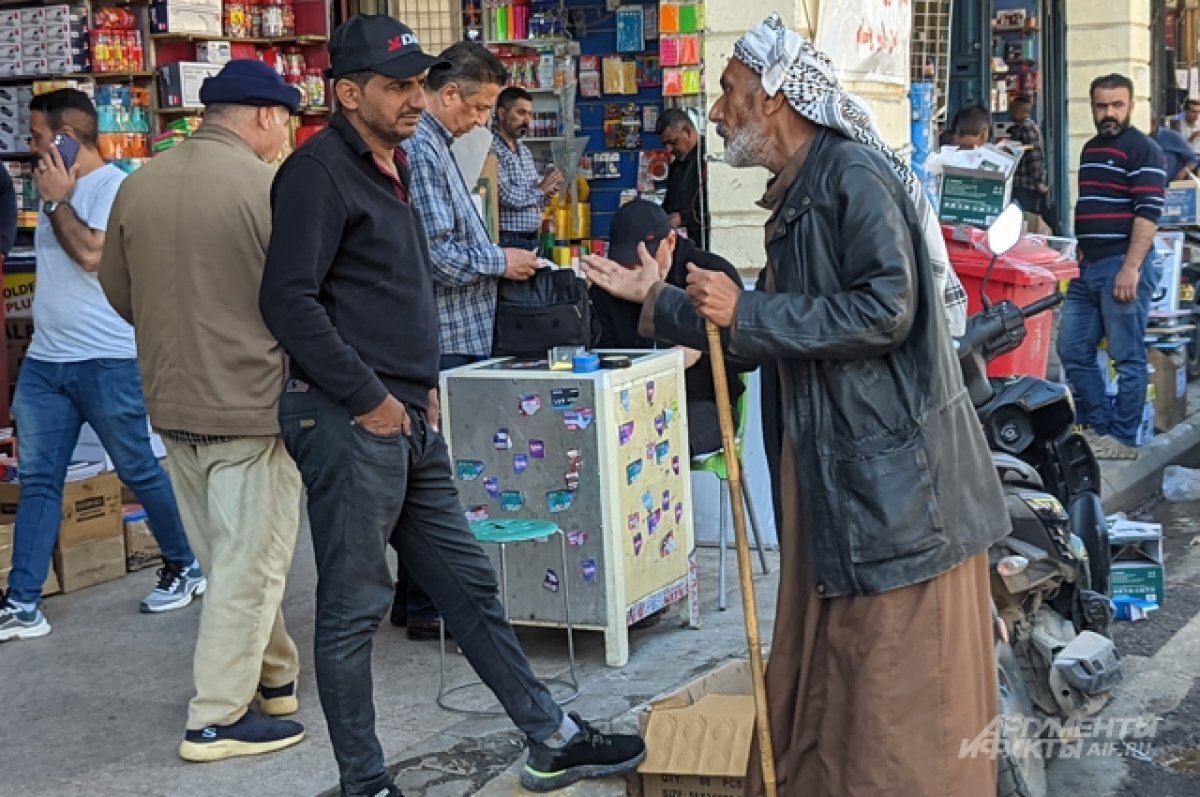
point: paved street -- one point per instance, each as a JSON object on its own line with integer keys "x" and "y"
{"x": 97, "y": 708}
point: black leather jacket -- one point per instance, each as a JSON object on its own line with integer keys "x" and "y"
{"x": 895, "y": 480}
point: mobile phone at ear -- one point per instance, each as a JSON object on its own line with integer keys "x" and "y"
{"x": 68, "y": 148}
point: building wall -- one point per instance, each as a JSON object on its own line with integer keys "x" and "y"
{"x": 1104, "y": 37}
{"x": 737, "y": 221}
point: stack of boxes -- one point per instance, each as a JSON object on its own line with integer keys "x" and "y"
{"x": 44, "y": 40}
{"x": 14, "y": 122}
{"x": 91, "y": 539}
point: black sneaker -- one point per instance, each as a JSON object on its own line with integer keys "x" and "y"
{"x": 253, "y": 734}
{"x": 590, "y": 754}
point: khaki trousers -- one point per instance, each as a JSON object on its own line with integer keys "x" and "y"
{"x": 240, "y": 503}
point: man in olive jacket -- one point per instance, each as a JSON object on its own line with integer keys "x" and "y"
{"x": 882, "y": 656}
{"x": 183, "y": 261}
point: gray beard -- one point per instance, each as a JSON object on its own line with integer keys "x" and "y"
{"x": 747, "y": 148}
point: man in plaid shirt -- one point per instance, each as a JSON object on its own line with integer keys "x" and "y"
{"x": 523, "y": 193}
{"x": 467, "y": 266}
{"x": 1030, "y": 188}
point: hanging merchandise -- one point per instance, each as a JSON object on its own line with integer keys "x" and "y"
{"x": 630, "y": 30}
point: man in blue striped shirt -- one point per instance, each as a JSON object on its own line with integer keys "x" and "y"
{"x": 466, "y": 265}
{"x": 1121, "y": 190}
{"x": 523, "y": 192}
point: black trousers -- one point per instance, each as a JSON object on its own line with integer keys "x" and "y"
{"x": 365, "y": 491}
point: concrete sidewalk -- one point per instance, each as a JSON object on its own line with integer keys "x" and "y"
{"x": 98, "y": 707}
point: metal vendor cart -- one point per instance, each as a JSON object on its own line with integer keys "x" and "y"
{"x": 604, "y": 455}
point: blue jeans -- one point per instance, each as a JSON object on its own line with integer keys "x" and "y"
{"x": 52, "y": 403}
{"x": 1091, "y": 314}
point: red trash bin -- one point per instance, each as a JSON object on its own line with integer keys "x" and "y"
{"x": 1029, "y": 272}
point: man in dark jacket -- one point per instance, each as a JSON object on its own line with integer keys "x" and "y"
{"x": 685, "y": 200}
{"x": 642, "y": 222}
{"x": 883, "y": 634}
{"x": 348, "y": 292}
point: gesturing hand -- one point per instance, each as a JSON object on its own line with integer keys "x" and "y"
{"x": 630, "y": 284}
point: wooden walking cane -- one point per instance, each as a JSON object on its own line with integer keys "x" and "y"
{"x": 733, "y": 467}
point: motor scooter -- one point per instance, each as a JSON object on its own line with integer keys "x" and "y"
{"x": 1050, "y": 576}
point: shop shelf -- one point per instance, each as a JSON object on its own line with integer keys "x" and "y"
{"x": 303, "y": 39}
{"x": 105, "y": 76}
{"x": 531, "y": 43}
{"x": 315, "y": 110}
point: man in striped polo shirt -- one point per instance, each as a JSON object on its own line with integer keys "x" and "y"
{"x": 1121, "y": 189}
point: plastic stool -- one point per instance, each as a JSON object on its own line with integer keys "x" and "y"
{"x": 503, "y": 533}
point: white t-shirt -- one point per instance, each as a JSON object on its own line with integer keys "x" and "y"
{"x": 72, "y": 319}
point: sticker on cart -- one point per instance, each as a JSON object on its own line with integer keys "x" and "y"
{"x": 675, "y": 465}
{"x": 653, "y": 521}
{"x": 668, "y": 544}
{"x": 632, "y": 471}
{"x": 492, "y": 485}
{"x": 649, "y": 452}
{"x": 468, "y": 470}
{"x": 678, "y": 512}
{"x": 571, "y": 478}
{"x": 550, "y": 582}
{"x": 637, "y": 544}
{"x": 648, "y": 500}
{"x": 578, "y": 420}
{"x": 559, "y": 500}
{"x": 529, "y": 404}
{"x": 634, "y": 521}
{"x": 564, "y": 398}
{"x": 660, "y": 423}
{"x": 501, "y": 440}
{"x": 661, "y": 451}
{"x": 577, "y": 538}
{"x": 537, "y": 449}
{"x": 512, "y": 500}
{"x": 650, "y": 393}
{"x": 626, "y": 404}
{"x": 479, "y": 512}
{"x": 574, "y": 459}
{"x": 625, "y": 433}
{"x": 666, "y": 501}
{"x": 588, "y": 569}
{"x": 520, "y": 463}
{"x": 669, "y": 414}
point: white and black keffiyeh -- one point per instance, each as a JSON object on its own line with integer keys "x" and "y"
{"x": 789, "y": 62}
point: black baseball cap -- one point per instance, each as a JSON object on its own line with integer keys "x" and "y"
{"x": 377, "y": 43}
{"x": 637, "y": 222}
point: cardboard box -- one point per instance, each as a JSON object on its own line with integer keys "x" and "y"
{"x": 1169, "y": 378}
{"x": 179, "y": 83}
{"x": 1138, "y": 567}
{"x": 141, "y": 548}
{"x": 976, "y": 185}
{"x": 1182, "y": 205}
{"x": 214, "y": 52}
{"x": 10, "y": 18}
{"x": 88, "y": 564}
{"x": 33, "y": 16}
{"x": 195, "y": 16}
{"x": 91, "y": 510}
{"x": 698, "y": 739}
{"x": 51, "y": 586}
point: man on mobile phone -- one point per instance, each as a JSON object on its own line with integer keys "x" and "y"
{"x": 523, "y": 192}
{"x": 81, "y": 368}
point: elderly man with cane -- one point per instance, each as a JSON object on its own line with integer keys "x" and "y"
{"x": 882, "y": 658}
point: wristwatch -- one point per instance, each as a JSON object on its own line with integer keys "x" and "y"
{"x": 50, "y": 206}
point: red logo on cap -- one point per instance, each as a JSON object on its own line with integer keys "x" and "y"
{"x": 394, "y": 44}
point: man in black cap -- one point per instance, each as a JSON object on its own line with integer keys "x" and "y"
{"x": 349, "y": 294}
{"x": 641, "y": 233}
{"x": 184, "y": 268}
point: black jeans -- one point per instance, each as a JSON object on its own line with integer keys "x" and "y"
{"x": 362, "y": 491}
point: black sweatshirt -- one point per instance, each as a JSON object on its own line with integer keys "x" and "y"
{"x": 347, "y": 289}
{"x": 618, "y": 321}
{"x": 684, "y": 183}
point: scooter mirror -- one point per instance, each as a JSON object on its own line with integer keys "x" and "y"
{"x": 1005, "y": 232}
